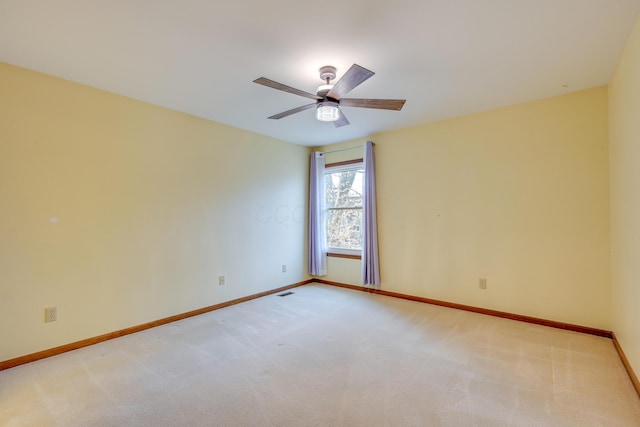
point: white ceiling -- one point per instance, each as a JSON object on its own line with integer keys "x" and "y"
{"x": 445, "y": 57}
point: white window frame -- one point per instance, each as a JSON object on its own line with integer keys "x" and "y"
{"x": 343, "y": 168}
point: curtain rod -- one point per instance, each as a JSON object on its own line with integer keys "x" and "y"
{"x": 343, "y": 149}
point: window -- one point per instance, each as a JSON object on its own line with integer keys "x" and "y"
{"x": 344, "y": 189}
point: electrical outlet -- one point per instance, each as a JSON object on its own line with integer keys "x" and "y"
{"x": 220, "y": 280}
{"x": 482, "y": 283}
{"x": 51, "y": 314}
{"x": 284, "y": 268}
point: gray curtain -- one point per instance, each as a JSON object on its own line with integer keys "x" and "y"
{"x": 317, "y": 234}
{"x": 370, "y": 264}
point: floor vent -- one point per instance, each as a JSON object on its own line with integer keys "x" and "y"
{"x": 285, "y": 294}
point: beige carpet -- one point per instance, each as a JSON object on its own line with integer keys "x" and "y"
{"x": 327, "y": 356}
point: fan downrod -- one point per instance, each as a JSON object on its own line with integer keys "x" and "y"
{"x": 327, "y": 73}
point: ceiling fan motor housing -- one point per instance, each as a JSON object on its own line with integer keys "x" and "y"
{"x": 322, "y": 90}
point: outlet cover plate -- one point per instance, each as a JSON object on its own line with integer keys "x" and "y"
{"x": 50, "y": 314}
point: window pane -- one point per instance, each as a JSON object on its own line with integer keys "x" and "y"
{"x": 344, "y": 207}
{"x": 344, "y": 189}
{"x": 343, "y": 229}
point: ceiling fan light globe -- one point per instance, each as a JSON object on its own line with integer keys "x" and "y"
{"x": 327, "y": 112}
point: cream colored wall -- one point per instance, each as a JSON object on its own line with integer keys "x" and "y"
{"x": 624, "y": 102}
{"x": 517, "y": 195}
{"x": 152, "y": 206}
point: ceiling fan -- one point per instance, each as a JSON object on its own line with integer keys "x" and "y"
{"x": 329, "y": 97}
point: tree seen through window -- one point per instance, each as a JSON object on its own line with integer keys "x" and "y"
{"x": 344, "y": 189}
